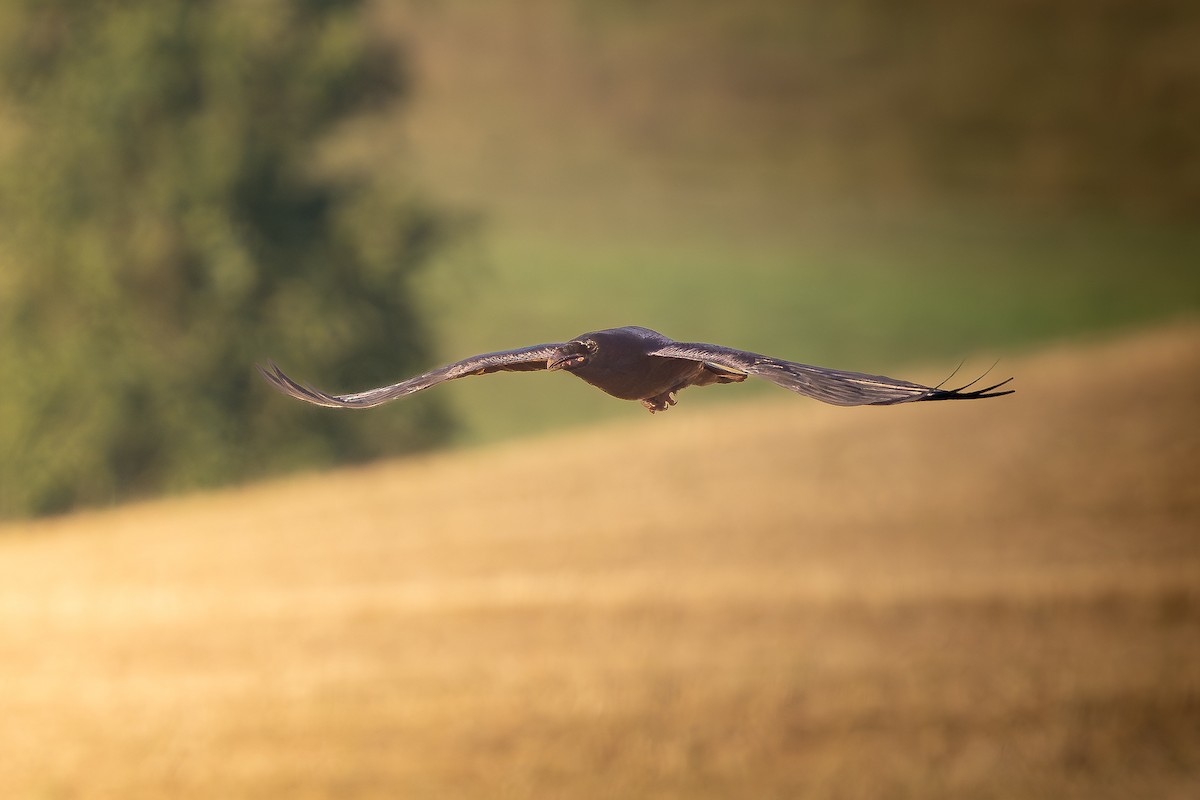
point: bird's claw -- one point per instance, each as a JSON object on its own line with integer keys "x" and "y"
{"x": 659, "y": 402}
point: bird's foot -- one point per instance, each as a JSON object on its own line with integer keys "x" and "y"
{"x": 659, "y": 402}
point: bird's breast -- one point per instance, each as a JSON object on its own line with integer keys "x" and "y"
{"x": 639, "y": 378}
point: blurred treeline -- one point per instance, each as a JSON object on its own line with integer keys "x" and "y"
{"x": 1064, "y": 106}
{"x": 1087, "y": 104}
{"x": 167, "y": 223}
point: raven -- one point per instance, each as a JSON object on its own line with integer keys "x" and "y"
{"x": 634, "y": 363}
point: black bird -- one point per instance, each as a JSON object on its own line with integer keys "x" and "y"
{"x": 635, "y": 363}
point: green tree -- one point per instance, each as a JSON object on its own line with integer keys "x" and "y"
{"x": 165, "y": 225}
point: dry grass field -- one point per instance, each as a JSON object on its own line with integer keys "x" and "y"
{"x": 770, "y": 600}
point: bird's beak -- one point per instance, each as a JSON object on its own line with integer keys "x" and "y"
{"x": 563, "y": 361}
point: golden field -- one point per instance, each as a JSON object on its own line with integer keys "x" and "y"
{"x": 777, "y": 599}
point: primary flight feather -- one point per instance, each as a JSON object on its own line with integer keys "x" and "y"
{"x": 634, "y": 363}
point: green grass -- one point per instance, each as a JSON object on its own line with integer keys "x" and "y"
{"x": 915, "y": 297}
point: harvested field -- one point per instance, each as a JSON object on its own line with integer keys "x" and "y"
{"x": 770, "y": 600}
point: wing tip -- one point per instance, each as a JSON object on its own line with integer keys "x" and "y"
{"x": 280, "y": 380}
{"x": 977, "y": 394}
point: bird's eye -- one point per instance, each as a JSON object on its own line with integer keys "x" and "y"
{"x": 590, "y": 345}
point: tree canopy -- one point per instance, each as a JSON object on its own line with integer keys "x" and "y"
{"x": 166, "y": 225}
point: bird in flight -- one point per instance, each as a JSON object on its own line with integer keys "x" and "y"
{"x": 634, "y": 363}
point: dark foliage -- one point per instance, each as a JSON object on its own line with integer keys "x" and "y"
{"x": 167, "y": 223}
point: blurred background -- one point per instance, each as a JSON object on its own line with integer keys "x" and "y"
{"x": 361, "y": 191}
{"x": 364, "y": 190}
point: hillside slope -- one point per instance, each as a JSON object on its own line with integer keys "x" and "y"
{"x": 768, "y": 600}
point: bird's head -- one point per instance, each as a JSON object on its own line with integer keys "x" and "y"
{"x": 572, "y": 355}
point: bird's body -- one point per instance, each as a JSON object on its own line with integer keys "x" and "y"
{"x": 635, "y": 363}
{"x": 623, "y": 367}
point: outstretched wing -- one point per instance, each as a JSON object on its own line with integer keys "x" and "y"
{"x": 834, "y": 386}
{"x": 522, "y": 360}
